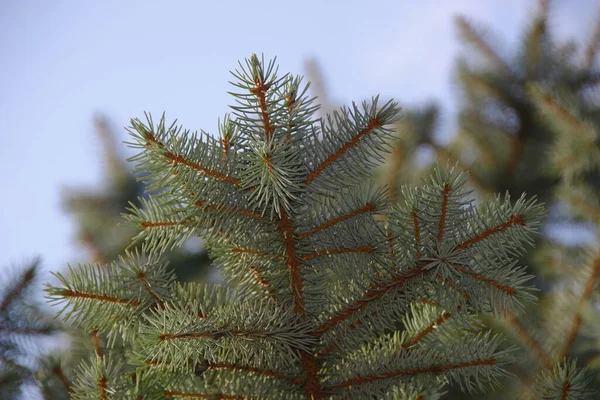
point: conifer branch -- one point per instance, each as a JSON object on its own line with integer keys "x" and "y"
{"x": 530, "y": 342}
{"x": 76, "y": 294}
{"x": 558, "y": 109}
{"x": 504, "y": 288}
{"x": 573, "y": 330}
{"x": 262, "y": 281}
{"x": 513, "y": 221}
{"x": 317, "y": 284}
{"x": 364, "y": 209}
{"x": 311, "y": 387}
{"x": 147, "y": 287}
{"x": 259, "y": 91}
{"x": 166, "y": 224}
{"x": 18, "y": 288}
{"x": 375, "y": 291}
{"x": 292, "y": 262}
{"x": 426, "y": 331}
{"x": 372, "y": 124}
{"x": 180, "y": 160}
{"x": 60, "y": 375}
{"x": 563, "y": 381}
{"x": 412, "y": 372}
{"x": 258, "y": 371}
{"x": 473, "y": 36}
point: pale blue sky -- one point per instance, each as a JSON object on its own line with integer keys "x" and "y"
{"x": 63, "y": 61}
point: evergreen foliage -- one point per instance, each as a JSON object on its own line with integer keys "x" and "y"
{"x": 534, "y": 122}
{"x": 25, "y": 330}
{"x": 98, "y": 212}
{"x": 323, "y": 271}
{"x": 529, "y": 122}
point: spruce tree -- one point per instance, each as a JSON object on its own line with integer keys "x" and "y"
{"x": 529, "y": 122}
{"x": 26, "y": 330}
{"x": 334, "y": 293}
{"x": 534, "y": 123}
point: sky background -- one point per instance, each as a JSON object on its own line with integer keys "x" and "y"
{"x": 62, "y": 62}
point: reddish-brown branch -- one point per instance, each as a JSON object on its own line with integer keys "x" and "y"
{"x": 311, "y": 385}
{"x": 355, "y": 324}
{"x": 529, "y": 340}
{"x": 221, "y": 207}
{"x": 259, "y": 371}
{"x": 310, "y": 369}
{"x": 260, "y": 91}
{"x": 62, "y": 378}
{"x": 26, "y": 278}
{"x": 163, "y": 224}
{"x": 364, "y": 209}
{"x": 409, "y": 372}
{"x": 341, "y": 250}
{"x": 102, "y": 387}
{"x": 225, "y": 143}
{"x": 142, "y": 278}
{"x": 443, "y": 213}
{"x": 585, "y": 296}
{"x": 566, "y": 387}
{"x": 373, "y": 124}
{"x": 177, "y": 159}
{"x": 203, "y": 170}
{"x": 564, "y": 114}
{"x": 375, "y": 292}
{"x": 99, "y": 353}
{"x": 514, "y": 220}
{"x": 505, "y": 288}
{"x": 98, "y": 297}
{"x": 440, "y": 320}
{"x": 459, "y": 288}
{"x": 267, "y": 160}
{"x": 292, "y": 262}
{"x": 484, "y": 47}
